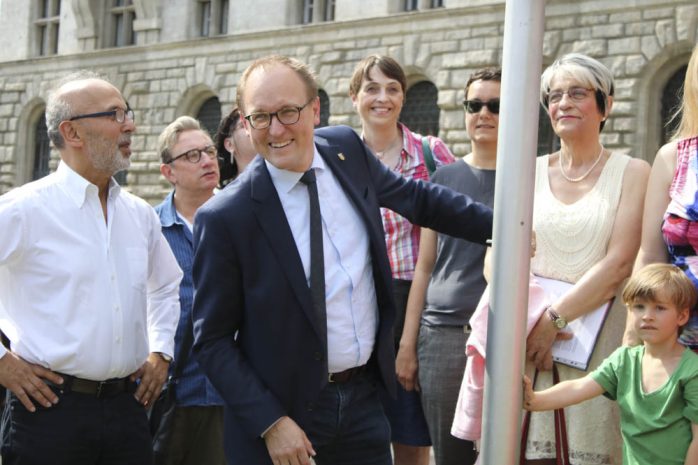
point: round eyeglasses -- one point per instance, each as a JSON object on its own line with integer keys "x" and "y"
{"x": 286, "y": 116}
{"x": 119, "y": 114}
{"x": 194, "y": 155}
{"x": 575, "y": 93}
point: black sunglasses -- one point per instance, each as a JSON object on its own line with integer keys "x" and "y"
{"x": 474, "y": 106}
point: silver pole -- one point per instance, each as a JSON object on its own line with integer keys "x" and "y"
{"x": 513, "y": 208}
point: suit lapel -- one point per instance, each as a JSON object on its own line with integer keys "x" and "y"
{"x": 272, "y": 220}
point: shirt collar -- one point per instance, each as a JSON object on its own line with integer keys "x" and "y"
{"x": 168, "y": 214}
{"x": 285, "y": 180}
{"x": 78, "y": 188}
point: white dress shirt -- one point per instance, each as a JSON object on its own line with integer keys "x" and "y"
{"x": 79, "y": 295}
{"x": 352, "y": 309}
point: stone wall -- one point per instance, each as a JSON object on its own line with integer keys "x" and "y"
{"x": 643, "y": 43}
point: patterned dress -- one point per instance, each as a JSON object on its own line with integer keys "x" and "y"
{"x": 680, "y": 227}
{"x": 570, "y": 239}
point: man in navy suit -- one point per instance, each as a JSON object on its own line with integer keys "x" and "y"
{"x": 298, "y": 383}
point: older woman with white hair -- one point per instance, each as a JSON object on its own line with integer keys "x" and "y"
{"x": 587, "y": 217}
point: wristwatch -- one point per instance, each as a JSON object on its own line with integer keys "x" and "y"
{"x": 559, "y": 321}
{"x": 165, "y": 357}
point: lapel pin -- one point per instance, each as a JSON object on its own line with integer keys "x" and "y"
{"x": 340, "y": 155}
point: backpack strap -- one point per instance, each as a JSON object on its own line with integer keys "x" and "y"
{"x": 428, "y": 156}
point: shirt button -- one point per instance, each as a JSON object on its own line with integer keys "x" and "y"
{"x": 116, "y": 308}
{"x": 118, "y": 340}
{"x": 317, "y": 356}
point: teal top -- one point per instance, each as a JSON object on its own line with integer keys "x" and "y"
{"x": 656, "y": 426}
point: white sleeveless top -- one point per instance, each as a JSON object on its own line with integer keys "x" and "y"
{"x": 570, "y": 239}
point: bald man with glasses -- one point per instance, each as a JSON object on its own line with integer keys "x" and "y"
{"x": 88, "y": 294}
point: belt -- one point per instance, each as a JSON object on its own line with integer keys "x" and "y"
{"x": 345, "y": 376}
{"x": 99, "y": 389}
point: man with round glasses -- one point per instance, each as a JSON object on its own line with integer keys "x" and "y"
{"x": 88, "y": 293}
{"x": 190, "y": 163}
{"x": 293, "y": 311}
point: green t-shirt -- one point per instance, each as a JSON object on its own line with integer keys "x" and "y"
{"x": 656, "y": 427}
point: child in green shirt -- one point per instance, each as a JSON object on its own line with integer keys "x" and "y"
{"x": 655, "y": 384}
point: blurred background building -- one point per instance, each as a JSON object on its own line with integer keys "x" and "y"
{"x": 176, "y": 57}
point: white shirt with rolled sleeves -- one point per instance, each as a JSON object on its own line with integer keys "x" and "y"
{"x": 79, "y": 295}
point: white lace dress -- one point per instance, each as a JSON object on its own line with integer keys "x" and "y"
{"x": 570, "y": 240}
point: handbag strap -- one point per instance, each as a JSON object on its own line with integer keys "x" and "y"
{"x": 562, "y": 453}
{"x": 428, "y": 156}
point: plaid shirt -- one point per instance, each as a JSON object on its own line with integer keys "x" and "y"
{"x": 401, "y": 237}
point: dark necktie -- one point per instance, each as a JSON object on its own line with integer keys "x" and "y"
{"x": 317, "y": 261}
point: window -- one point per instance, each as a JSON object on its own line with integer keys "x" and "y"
{"x": 308, "y": 7}
{"x": 47, "y": 21}
{"x": 671, "y": 101}
{"x": 324, "y": 109}
{"x": 421, "y": 111}
{"x": 411, "y": 5}
{"x": 209, "y": 115}
{"x": 437, "y": 3}
{"x": 548, "y": 142}
{"x": 42, "y": 149}
{"x": 213, "y": 17}
{"x": 329, "y": 10}
{"x": 122, "y": 15}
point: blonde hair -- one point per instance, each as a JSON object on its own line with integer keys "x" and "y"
{"x": 661, "y": 278}
{"x": 168, "y": 137}
{"x": 688, "y": 126}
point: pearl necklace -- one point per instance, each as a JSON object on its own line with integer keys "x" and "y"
{"x": 582, "y": 177}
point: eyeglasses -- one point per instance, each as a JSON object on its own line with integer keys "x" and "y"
{"x": 286, "y": 116}
{"x": 474, "y": 106}
{"x": 575, "y": 93}
{"x": 194, "y": 155}
{"x": 119, "y": 115}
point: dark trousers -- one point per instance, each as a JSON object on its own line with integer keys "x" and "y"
{"x": 80, "y": 430}
{"x": 196, "y": 438}
{"x": 349, "y": 426}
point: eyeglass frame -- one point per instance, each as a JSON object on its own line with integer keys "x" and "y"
{"x": 489, "y": 104}
{"x": 567, "y": 92}
{"x": 186, "y": 156}
{"x": 276, "y": 113}
{"x": 128, "y": 114}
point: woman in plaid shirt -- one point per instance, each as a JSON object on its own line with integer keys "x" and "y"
{"x": 377, "y": 90}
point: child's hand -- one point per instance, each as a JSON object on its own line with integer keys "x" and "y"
{"x": 528, "y": 393}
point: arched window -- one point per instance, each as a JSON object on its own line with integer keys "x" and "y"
{"x": 324, "y": 109}
{"x": 421, "y": 110}
{"x": 210, "y": 115}
{"x": 42, "y": 149}
{"x": 548, "y": 142}
{"x": 671, "y": 101}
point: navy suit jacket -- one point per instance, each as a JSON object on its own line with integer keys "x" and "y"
{"x": 256, "y": 334}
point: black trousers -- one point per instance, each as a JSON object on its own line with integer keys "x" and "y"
{"x": 80, "y": 430}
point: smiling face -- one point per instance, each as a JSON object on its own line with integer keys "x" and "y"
{"x": 572, "y": 118}
{"x": 188, "y": 177}
{"x": 379, "y": 99}
{"x": 269, "y": 89}
{"x": 657, "y": 321}
{"x": 482, "y": 126}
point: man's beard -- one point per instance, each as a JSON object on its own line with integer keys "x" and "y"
{"x": 106, "y": 156}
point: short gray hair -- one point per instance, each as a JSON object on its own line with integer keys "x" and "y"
{"x": 168, "y": 137}
{"x": 58, "y": 109}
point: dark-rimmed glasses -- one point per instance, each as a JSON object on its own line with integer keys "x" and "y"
{"x": 119, "y": 115}
{"x": 194, "y": 155}
{"x": 474, "y": 106}
{"x": 575, "y": 93}
{"x": 286, "y": 116}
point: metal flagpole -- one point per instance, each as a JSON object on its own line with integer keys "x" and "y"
{"x": 513, "y": 208}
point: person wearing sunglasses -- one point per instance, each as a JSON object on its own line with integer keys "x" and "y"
{"x": 587, "y": 213}
{"x": 448, "y": 280}
{"x": 377, "y": 90}
{"x": 189, "y": 162}
{"x": 88, "y": 293}
{"x": 235, "y": 150}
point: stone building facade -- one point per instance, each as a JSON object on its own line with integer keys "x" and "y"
{"x": 180, "y": 57}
